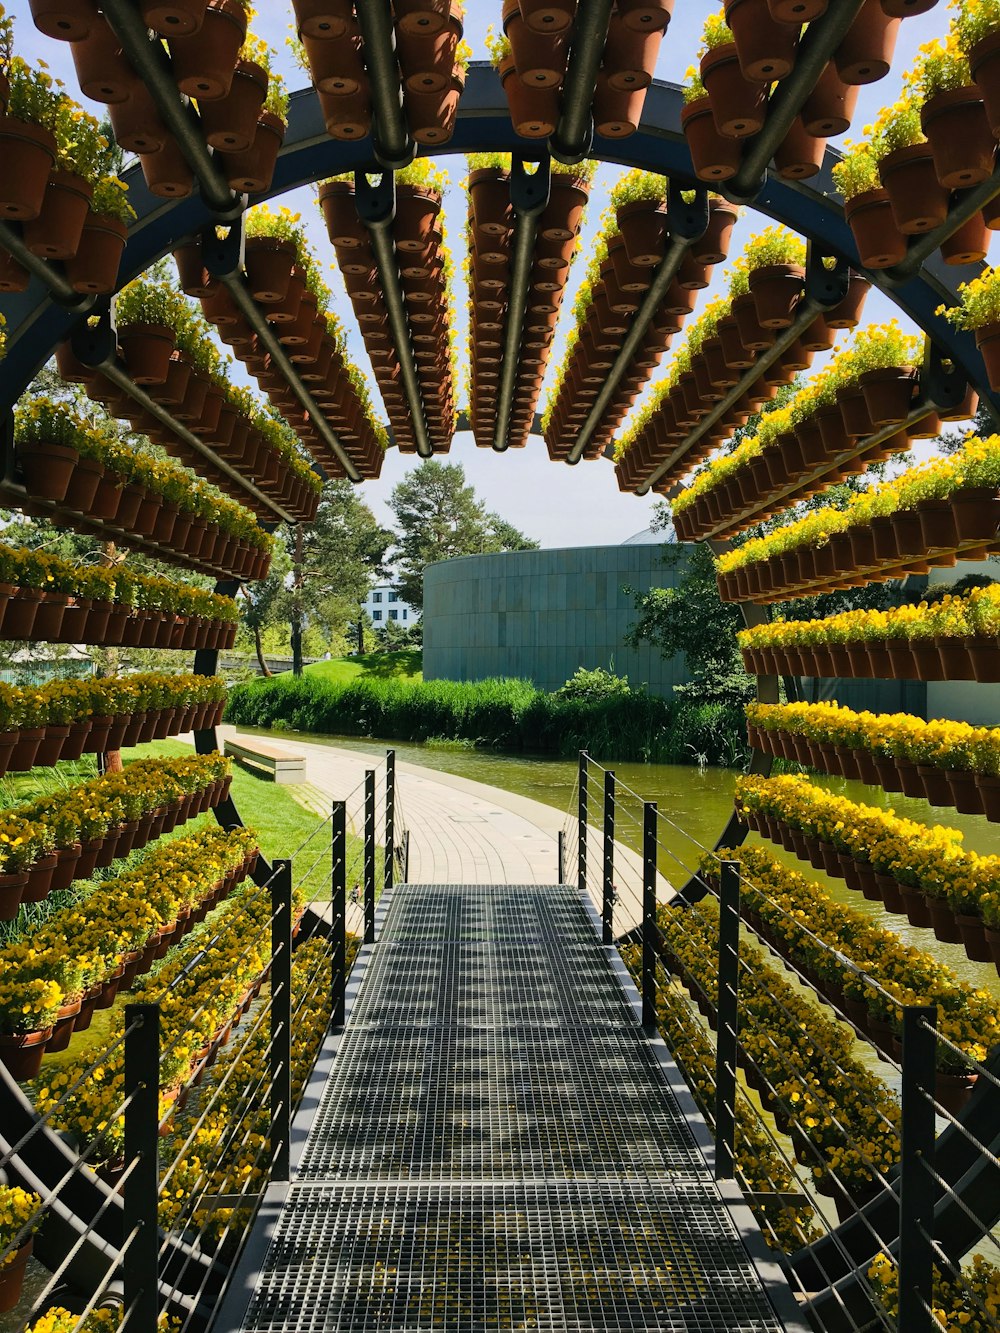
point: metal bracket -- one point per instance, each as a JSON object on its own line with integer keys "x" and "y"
{"x": 687, "y": 220}
{"x": 944, "y": 384}
{"x": 827, "y": 287}
{"x": 94, "y": 342}
{"x": 223, "y": 255}
{"x": 375, "y": 199}
{"x": 529, "y": 191}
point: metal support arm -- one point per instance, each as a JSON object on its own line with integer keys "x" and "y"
{"x": 376, "y": 204}
{"x": 393, "y": 146}
{"x": 529, "y": 195}
{"x": 686, "y": 223}
{"x": 574, "y": 134}
{"x": 47, "y": 272}
{"x": 223, "y": 258}
{"x": 825, "y": 288}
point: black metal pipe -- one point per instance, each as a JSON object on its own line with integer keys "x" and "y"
{"x": 376, "y": 205}
{"x": 824, "y": 289}
{"x": 529, "y": 194}
{"x": 818, "y": 44}
{"x": 390, "y": 134}
{"x": 56, "y": 281}
{"x": 95, "y": 346}
{"x": 574, "y": 134}
{"x": 920, "y": 248}
{"x": 150, "y": 62}
{"x": 686, "y": 223}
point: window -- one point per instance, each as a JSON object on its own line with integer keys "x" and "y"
{"x": 376, "y": 597}
{"x": 404, "y": 615}
{"x": 393, "y": 597}
{"x": 376, "y": 615}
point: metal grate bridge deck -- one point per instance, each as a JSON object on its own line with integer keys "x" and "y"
{"x": 497, "y": 1146}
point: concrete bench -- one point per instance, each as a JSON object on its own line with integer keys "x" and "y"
{"x": 285, "y": 767}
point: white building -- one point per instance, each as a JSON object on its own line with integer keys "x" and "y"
{"x": 384, "y": 603}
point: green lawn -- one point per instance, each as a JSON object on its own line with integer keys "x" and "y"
{"x": 406, "y": 665}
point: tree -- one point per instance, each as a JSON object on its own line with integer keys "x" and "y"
{"x": 440, "y": 517}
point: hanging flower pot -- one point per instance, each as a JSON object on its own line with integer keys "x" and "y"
{"x": 166, "y": 172}
{"x": 22, "y": 1054}
{"x": 984, "y": 61}
{"x": 918, "y": 200}
{"x": 969, "y": 244}
{"x": 714, "y": 157}
{"x": 796, "y": 11}
{"x": 988, "y": 342}
{"x": 268, "y": 261}
{"x": 776, "y": 289}
{"x": 865, "y": 53}
{"x": 800, "y": 154}
{"x": 48, "y": 470}
{"x": 94, "y": 267}
{"x": 616, "y": 113}
{"x": 230, "y": 123}
{"x": 252, "y": 172}
{"x": 173, "y": 18}
{"x": 426, "y": 60}
{"x": 102, "y": 68}
{"x": 829, "y": 108}
{"x": 533, "y": 111}
{"x": 349, "y": 117}
{"x": 29, "y": 151}
{"x": 432, "y": 116}
{"x": 137, "y": 124}
{"x": 960, "y": 137}
{"x": 869, "y": 215}
{"x": 337, "y": 66}
{"x": 146, "y": 349}
{"x": 13, "y": 278}
{"x": 64, "y": 20}
{"x": 204, "y": 62}
{"x": 643, "y": 228}
{"x": 56, "y": 232}
{"x": 738, "y": 106}
{"x": 766, "y": 48}
{"x": 630, "y": 54}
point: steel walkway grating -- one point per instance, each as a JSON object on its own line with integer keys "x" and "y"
{"x": 496, "y": 1147}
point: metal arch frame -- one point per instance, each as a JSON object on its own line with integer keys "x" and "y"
{"x": 37, "y": 321}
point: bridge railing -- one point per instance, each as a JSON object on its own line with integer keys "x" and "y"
{"x": 873, "y": 1168}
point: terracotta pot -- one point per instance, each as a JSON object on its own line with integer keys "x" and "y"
{"x": 204, "y": 63}
{"x": 347, "y": 117}
{"x": 643, "y": 227}
{"x": 103, "y": 70}
{"x": 432, "y": 116}
{"x": 738, "y": 106}
{"x": 829, "y": 108}
{"x": 984, "y": 61}
{"x": 325, "y": 18}
{"x": 715, "y": 157}
{"x": 776, "y": 289}
{"x": 865, "y": 53}
{"x": 146, "y": 350}
{"x": 56, "y": 232}
{"x": 766, "y": 49}
{"x": 137, "y": 124}
{"x": 973, "y": 937}
{"x": 969, "y": 244}
{"x": 918, "y": 200}
{"x": 251, "y": 172}
{"x": 888, "y": 394}
{"x": 534, "y": 111}
{"x": 28, "y": 154}
{"x": 988, "y": 342}
{"x": 870, "y": 217}
{"x": 630, "y": 54}
{"x": 230, "y": 123}
{"x": 166, "y": 172}
{"x": 94, "y": 267}
{"x": 960, "y": 137}
{"x": 617, "y": 112}
{"x": 800, "y": 154}
{"x": 539, "y": 57}
{"x": 172, "y": 18}
{"x": 64, "y": 20}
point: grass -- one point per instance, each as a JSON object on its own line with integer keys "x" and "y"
{"x": 404, "y": 665}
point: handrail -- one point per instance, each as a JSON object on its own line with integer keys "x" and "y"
{"x": 150, "y": 62}
{"x": 222, "y": 258}
{"x": 815, "y": 51}
{"x": 574, "y": 134}
{"x": 394, "y": 148}
{"x": 824, "y": 289}
{"x": 686, "y": 223}
{"x": 376, "y": 205}
{"x": 95, "y": 346}
{"x": 47, "y": 272}
{"x": 529, "y": 195}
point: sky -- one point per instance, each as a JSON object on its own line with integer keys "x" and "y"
{"x": 554, "y": 504}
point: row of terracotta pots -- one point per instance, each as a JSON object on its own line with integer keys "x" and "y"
{"x": 278, "y": 284}
{"x": 969, "y": 792}
{"x": 534, "y": 73}
{"x": 199, "y": 405}
{"x": 418, "y": 241}
{"x": 88, "y": 495}
{"x": 625, "y": 276}
{"x": 58, "y": 870}
{"x": 938, "y": 657}
{"x": 824, "y": 448}
{"x": 890, "y": 546}
{"x": 922, "y": 910}
{"x": 22, "y": 1054}
{"x": 491, "y": 230}
{"x": 54, "y": 617}
{"x": 751, "y": 326}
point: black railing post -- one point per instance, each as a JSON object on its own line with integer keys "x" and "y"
{"x": 649, "y": 929}
{"x": 608, "y": 900}
{"x": 142, "y": 1182}
{"x": 390, "y": 817}
{"x": 338, "y": 908}
{"x": 406, "y": 855}
{"x": 281, "y": 1020}
{"x": 916, "y": 1182}
{"x": 581, "y": 819}
{"x": 727, "y": 1005}
{"x": 370, "y": 856}
{"x": 561, "y": 857}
